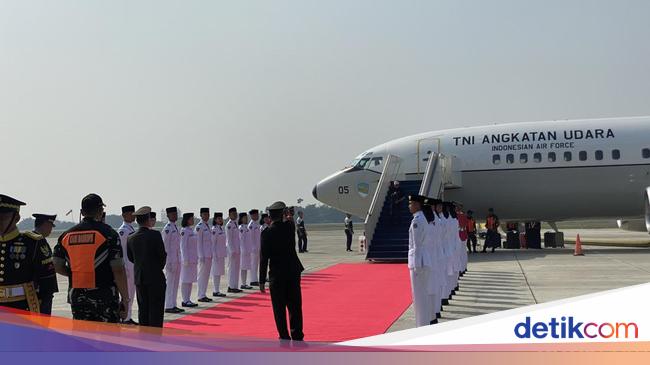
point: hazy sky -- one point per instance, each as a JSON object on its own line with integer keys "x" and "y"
{"x": 224, "y": 103}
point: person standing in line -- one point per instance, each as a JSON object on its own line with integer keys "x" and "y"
{"x": 245, "y": 250}
{"x": 419, "y": 262}
{"x": 43, "y": 225}
{"x": 189, "y": 259}
{"x": 471, "y": 232}
{"x": 349, "y": 231}
{"x": 219, "y": 254}
{"x": 255, "y": 237}
{"x": 172, "y": 241}
{"x": 430, "y": 245}
{"x": 204, "y": 246}
{"x": 302, "y": 232}
{"x": 233, "y": 243}
{"x": 463, "y": 235}
{"x": 146, "y": 250}
{"x": 266, "y": 222}
{"x": 125, "y": 230}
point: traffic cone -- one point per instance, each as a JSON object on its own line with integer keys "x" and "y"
{"x": 578, "y": 249}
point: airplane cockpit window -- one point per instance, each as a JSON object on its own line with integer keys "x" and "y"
{"x": 496, "y": 159}
{"x": 568, "y": 156}
{"x": 362, "y": 163}
{"x": 582, "y": 155}
{"x": 537, "y": 157}
{"x": 616, "y": 154}
{"x": 523, "y": 158}
{"x": 367, "y": 162}
{"x": 376, "y": 161}
{"x": 599, "y": 155}
{"x": 646, "y": 153}
{"x": 510, "y": 158}
{"x": 552, "y": 157}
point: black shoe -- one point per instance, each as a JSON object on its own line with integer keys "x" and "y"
{"x": 493, "y": 249}
{"x": 178, "y": 310}
{"x": 246, "y": 287}
{"x": 189, "y": 304}
{"x": 218, "y": 294}
{"x": 255, "y": 283}
{"x": 445, "y": 302}
{"x": 304, "y": 251}
{"x": 131, "y": 322}
{"x": 301, "y": 251}
{"x": 438, "y": 315}
{"x": 205, "y": 300}
{"x": 435, "y": 321}
{"x": 231, "y": 290}
{"x": 171, "y": 310}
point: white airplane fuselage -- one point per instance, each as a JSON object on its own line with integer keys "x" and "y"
{"x": 546, "y": 171}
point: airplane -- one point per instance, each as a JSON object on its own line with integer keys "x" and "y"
{"x": 547, "y": 171}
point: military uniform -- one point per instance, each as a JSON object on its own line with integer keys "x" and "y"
{"x": 204, "y": 249}
{"x": 219, "y": 254}
{"x": 254, "y": 230}
{"x": 234, "y": 254}
{"x": 420, "y": 264}
{"x": 244, "y": 252}
{"x": 189, "y": 259}
{"x": 125, "y": 230}
{"x": 172, "y": 240}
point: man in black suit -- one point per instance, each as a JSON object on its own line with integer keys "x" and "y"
{"x": 145, "y": 248}
{"x": 278, "y": 255}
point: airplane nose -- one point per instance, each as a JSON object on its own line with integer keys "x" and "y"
{"x": 314, "y": 193}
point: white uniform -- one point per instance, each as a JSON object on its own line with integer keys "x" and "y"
{"x": 420, "y": 264}
{"x": 431, "y": 241}
{"x": 233, "y": 246}
{"x": 219, "y": 254}
{"x": 255, "y": 233}
{"x": 204, "y": 248}
{"x": 189, "y": 260}
{"x": 245, "y": 252}
{"x": 172, "y": 240}
{"x": 441, "y": 263}
{"x": 125, "y": 230}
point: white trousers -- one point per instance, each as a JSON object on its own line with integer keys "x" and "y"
{"x": 186, "y": 291}
{"x": 130, "y": 283}
{"x": 233, "y": 270}
{"x": 421, "y": 298}
{"x": 255, "y": 262}
{"x": 205, "y": 264}
{"x": 173, "y": 275}
{"x": 216, "y": 282}
{"x": 244, "y": 277}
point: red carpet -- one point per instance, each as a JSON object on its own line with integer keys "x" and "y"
{"x": 342, "y": 302}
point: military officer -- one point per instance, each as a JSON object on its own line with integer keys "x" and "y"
{"x": 98, "y": 278}
{"x": 234, "y": 251}
{"x": 254, "y": 232}
{"x": 219, "y": 254}
{"x": 125, "y": 230}
{"x": 189, "y": 259}
{"x": 43, "y": 225}
{"x": 245, "y": 250}
{"x": 27, "y": 276}
{"x": 204, "y": 246}
{"x": 419, "y": 262}
{"x": 172, "y": 240}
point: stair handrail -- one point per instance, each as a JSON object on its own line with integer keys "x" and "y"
{"x": 378, "y": 199}
{"x": 432, "y": 165}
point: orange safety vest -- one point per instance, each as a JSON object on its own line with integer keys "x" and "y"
{"x": 82, "y": 247}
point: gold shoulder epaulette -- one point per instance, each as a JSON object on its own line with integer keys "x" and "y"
{"x": 32, "y": 235}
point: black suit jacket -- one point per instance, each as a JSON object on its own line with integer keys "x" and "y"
{"x": 146, "y": 250}
{"x": 278, "y": 253}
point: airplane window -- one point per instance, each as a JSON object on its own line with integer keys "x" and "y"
{"x": 362, "y": 163}
{"x": 537, "y": 157}
{"x": 616, "y": 154}
{"x": 552, "y": 157}
{"x": 583, "y": 155}
{"x": 646, "y": 153}
{"x": 599, "y": 155}
{"x": 568, "y": 156}
{"x": 510, "y": 158}
{"x": 376, "y": 161}
{"x": 523, "y": 158}
{"x": 496, "y": 159}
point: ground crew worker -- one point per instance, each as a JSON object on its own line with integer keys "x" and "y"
{"x": 470, "y": 228}
{"x": 279, "y": 257}
{"x": 349, "y": 231}
{"x": 189, "y": 259}
{"x": 255, "y": 232}
{"x": 302, "y": 232}
{"x": 43, "y": 225}
{"x": 492, "y": 238}
{"x": 91, "y": 255}
{"x": 145, "y": 248}
{"x": 419, "y": 262}
{"x": 27, "y": 276}
{"x": 172, "y": 240}
{"x": 234, "y": 251}
{"x": 125, "y": 230}
{"x": 204, "y": 248}
{"x": 245, "y": 250}
{"x": 219, "y": 254}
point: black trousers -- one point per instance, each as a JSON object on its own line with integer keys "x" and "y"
{"x": 287, "y": 296}
{"x": 46, "y": 304}
{"x": 471, "y": 239}
{"x": 348, "y": 242}
{"x": 302, "y": 242}
{"x": 151, "y": 304}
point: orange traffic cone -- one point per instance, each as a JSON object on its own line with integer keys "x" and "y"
{"x": 578, "y": 249}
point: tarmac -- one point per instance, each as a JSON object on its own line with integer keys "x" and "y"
{"x": 494, "y": 282}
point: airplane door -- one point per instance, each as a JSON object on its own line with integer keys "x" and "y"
{"x": 425, "y": 147}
